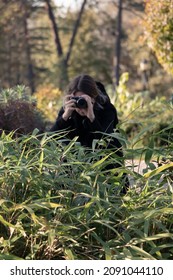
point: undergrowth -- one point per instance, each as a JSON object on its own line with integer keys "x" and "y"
{"x": 58, "y": 201}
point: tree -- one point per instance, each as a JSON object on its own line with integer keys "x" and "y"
{"x": 93, "y": 51}
{"x": 24, "y": 43}
{"x": 159, "y": 30}
{"x": 118, "y": 42}
{"x": 30, "y": 70}
{"x": 64, "y": 59}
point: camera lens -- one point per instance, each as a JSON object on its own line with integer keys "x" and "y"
{"x": 81, "y": 103}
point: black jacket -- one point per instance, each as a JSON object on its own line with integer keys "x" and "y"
{"x": 105, "y": 121}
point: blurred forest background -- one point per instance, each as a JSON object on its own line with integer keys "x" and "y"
{"x": 45, "y": 43}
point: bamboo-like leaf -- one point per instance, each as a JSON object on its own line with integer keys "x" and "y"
{"x": 151, "y": 238}
{"x": 41, "y": 159}
{"x": 69, "y": 146}
{"x": 51, "y": 237}
{"x": 2, "y": 201}
{"x": 17, "y": 227}
{"x": 107, "y": 250}
{"x": 4, "y": 222}
{"x": 161, "y": 247}
{"x": 1, "y": 147}
{"x": 138, "y": 216}
{"x": 142, "y": 252}
{"x": 44, "y": 204}
{"x": 142, "y": 132}
{"x": 69, "y": 254}
{"x": 158, "y": 170}
{"x": 149, "y": 152}
{"x": 99, "y": 162}
{"x": 146, "y": 227}
{"x": 35, "y": 132}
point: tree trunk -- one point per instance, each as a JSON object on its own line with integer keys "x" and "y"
{"x": 9, "y": 64}
{"x": 76, "y": 26}
{"x": 63, "y": 64}
{"x": 55, "y": 28}
{"x": 30, "y": 71}
{"x": 118, "y": 43}
{"x": 63, "y": 76}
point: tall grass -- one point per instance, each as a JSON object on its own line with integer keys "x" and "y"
{"x": 58, "y": 201}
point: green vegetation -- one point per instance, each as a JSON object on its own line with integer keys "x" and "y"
{"x": 57, "y": 199}
{"x": 58, "y": 202}
{"x": 159, "y": 27}
{"x": 18, "y": 111}
{"x": 141, "y": 114}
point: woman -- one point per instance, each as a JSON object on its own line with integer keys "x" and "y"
{"x": 88, "y": 113}
{"x": 88, "y": 122}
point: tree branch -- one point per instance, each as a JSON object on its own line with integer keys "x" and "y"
{"x": 76, "y": 26}
{"x": 55, "y": 28}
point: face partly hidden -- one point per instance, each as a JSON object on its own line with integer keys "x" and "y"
{"x": 89, "y": 100}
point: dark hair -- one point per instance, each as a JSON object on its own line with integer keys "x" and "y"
{"x": 84, "y": 83}
{"x": 89, "y": 86}
{"x": 102, "y": 90}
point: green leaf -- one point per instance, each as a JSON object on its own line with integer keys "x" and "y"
{"x": 69, "y": 254}
{"x": 149, "y": 152}
{"x": 69, "y": 146}
{"x": 158, "y": 170}
{"x": 99, "y": 162}
{"x": 143, "y": 253}
{"x": 150, "y": 238}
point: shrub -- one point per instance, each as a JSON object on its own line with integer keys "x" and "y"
{"x": 158, "y": 30}
{"x": 18, "y": 112}
{"x": 59, "y": 202}
{"x": 140, "y": 113}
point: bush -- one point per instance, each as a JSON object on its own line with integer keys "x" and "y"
{"x": 18, "y": 112}
{"x": 59, "y": 202}
{"x": 158, "y": 30}
{"x": 140, "y": 113}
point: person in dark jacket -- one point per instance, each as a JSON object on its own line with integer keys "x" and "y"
{"x": 97, "y": 114}
{"x": 88, "y": 113}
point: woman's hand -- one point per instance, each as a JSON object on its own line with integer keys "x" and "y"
{"x": 88, "y": 112}
{"x": 69, "y": 107}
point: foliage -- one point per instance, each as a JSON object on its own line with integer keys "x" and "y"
{"x": 28, "y": 53}
{"x": 159, "y": 28}
{"x": 139, "y": 112}
{"x": 49, "y": 100}
{"x": 26, "y": 43}
{"x": 18, "y": 111}
{"x": 59, "y": 202}
{"x": 92, "y": 55}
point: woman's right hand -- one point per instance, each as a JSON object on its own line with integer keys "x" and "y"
{"x": 69, "y": 107}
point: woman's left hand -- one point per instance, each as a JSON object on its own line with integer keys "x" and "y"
{"x": 88, "y": 112}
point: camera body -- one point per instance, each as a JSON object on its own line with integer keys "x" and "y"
{"x": 80, "y": 102}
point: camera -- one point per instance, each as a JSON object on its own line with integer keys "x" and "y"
{"x": 80, "y": 102}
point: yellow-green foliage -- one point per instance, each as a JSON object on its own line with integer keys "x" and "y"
{"x": 139, "y": 112}
{"x": 59, "y": 202}
{"x": 159, "y": 30}
{"x": 49, "y": 100}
